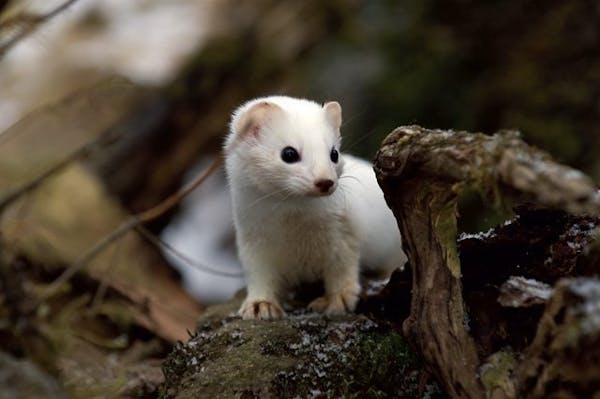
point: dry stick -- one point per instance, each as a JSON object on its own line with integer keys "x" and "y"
{"x": 132, "y": 223}
{"x": 31, "y": 23}
{"x": 153, "y": 239}
{"x": 103, "y": 286}
{"x": 81, "y": 152}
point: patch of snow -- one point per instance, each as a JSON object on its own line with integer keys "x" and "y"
{"x": 482, "y": 235}
{"x": 587, "y": 288}
{"x": 573, "y": 174}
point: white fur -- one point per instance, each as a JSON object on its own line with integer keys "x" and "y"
{"x": 287, "y": 230}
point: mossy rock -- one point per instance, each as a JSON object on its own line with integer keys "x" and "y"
{"x": 304, "y": 356}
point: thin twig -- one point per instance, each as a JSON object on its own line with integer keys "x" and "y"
{"x": 131, "y": 223}
{"x": 82, "y": 152}
{"x": 162, "y": 244}
{"x": 104, "y": 281}
{"x": 29, "y": 24}
{"x": 17, "y": 192}
{"x": 134, "y": 222}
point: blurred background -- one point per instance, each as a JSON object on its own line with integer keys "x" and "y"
{"x": 163, "y": 76}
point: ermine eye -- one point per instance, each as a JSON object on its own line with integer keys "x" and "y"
{"x": 290, "y": 155}
{"x": 334, "y": 155}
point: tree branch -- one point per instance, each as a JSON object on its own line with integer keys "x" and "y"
{"x": 26, "y": 24}
{"x": 82, "y": 152}
{"x": 131, "y": 223}
{"x": 562, "y": 361}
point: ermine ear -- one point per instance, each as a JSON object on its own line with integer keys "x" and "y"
{"x": 333, "y": 113}
{"x": 249, "y": 122}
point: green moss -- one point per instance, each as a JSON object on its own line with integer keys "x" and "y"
{"x": 386, "y": 365}
{"x": 303, "y": 355}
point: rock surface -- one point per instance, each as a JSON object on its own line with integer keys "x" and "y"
{"x": 22, "y": 379}
{"x": 304, "y": 355}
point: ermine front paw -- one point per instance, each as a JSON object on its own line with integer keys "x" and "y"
{"x": 335, "y": 304}
{"x": 261, "y": 310}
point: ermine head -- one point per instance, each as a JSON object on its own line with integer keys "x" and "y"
{"x": 286, "y": 145}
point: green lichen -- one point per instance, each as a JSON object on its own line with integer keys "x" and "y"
{"x": 496, "y": 373}
{"x": 445, "y": 226}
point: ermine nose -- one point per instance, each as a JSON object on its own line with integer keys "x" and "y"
{"x": 324, "y": 185}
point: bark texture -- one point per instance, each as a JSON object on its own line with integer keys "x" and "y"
{"x": 564, "y": 361}
{"x": 422, "y": 172}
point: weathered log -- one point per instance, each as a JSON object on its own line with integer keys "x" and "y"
{"x": 518, "y": 291}
{"x": 564, "y": 359}
{"x": 422, "y": 172}
{"x": 539, "y": 245}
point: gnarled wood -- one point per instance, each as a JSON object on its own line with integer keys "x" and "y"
{"x": 422, "y": 172}
{"x": 564, "y": 359}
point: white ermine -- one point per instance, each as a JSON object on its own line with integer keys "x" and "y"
{"x": 303, "y": 212}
